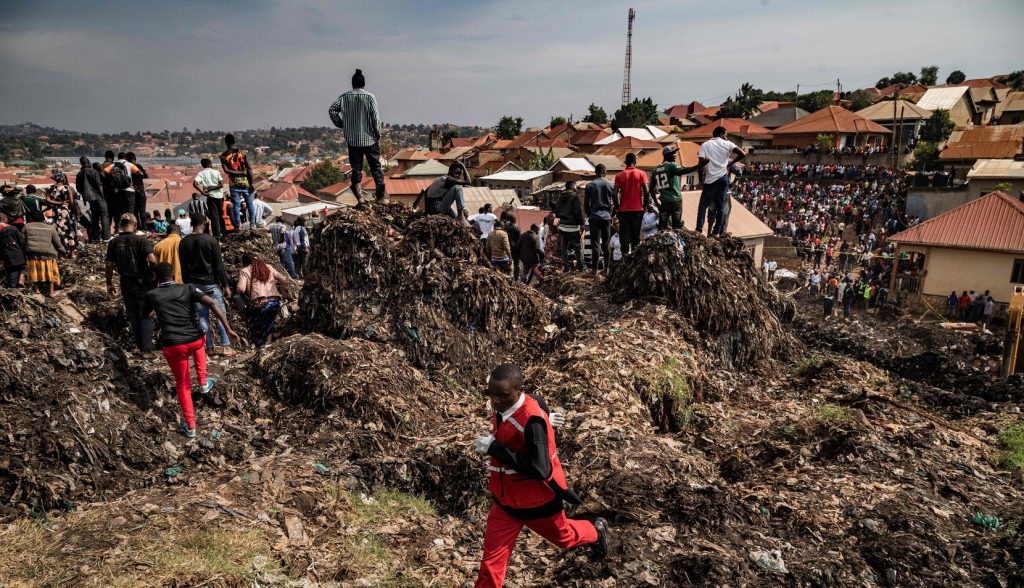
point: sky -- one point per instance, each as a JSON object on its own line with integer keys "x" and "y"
{"x": 213, "y": 65}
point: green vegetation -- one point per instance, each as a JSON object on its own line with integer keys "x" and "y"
{"x": 668, "y": 381}
{"x": 745, "y": 103}
{"x": 556, "y": 121}
{"x": 1003, "y": 187}
{"x": 937, "y": 128}
{"x": 929, "y": 75}
{"x": 956, "y": 77}
{"x": 833, "y": 413}
{"x": 1011, "y": 442}
{"x": 322, "y": 175}
{"x": 903, "y": 78}
{"x": 637, "y": 113}
{"x": 596, "y": 114}
{"x": 925, "y": 155}
{"x": 810, "y": 366}
{"x": 825, "y": 142}
{"x": 508, "y": 127}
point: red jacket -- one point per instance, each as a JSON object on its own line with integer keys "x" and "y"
{"x": 510, "y": 488}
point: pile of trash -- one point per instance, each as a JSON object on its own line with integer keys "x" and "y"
{"x": 714, "y": 283}
{"x": 396, "y": 284}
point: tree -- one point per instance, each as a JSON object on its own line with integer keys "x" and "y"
{"x": 937, "y": 128}
{"x": 540, "y": 161}
{"x": 746, "y": 102}
{"x": 929, "y": 75}
{"x": 1003, "y": 187}
{"x": 859, "y": 99}
{"x": 1014, "y": 80}
{"x": 957, "y": 77}
{"x": 323, "y": 174}
{"x": 925, "y": 155}
{"x": 903, "y": 78}
{"x": 637, "y": 113}
{"x": 596, "y": 114}
{"x": 556, "y": 121}
{"x": 447, "y": 136}
{"x": 825, "y": 143}
{"x": 508, "y": 127}
{"x": 815, "y": 101}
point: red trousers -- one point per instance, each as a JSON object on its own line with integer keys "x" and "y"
{"x": 503, "y": 530}
{"x": 177, "y": 357}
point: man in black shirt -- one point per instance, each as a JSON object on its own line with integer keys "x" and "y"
{"x": 203, "y": 267}
{"x": 133, "y": 258}
{"x": 175, "y": 305}
{"x": 139, "y": 185}
{"x": 89, "y": 183}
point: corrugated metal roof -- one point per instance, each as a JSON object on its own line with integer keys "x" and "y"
{"x": 904, "y": 108}
{"x": 430, "y": 167}
{"x": 734, "y": 126}
{"x": 989, "y": 142}
{"x": 516, "y": 176}
{"x": 832, "y": 119}
{"x": 942, "y": 98}
{"x": 994, "y": 222}
{"x": 996, "y": 169}
{"x": 575, "y": 164}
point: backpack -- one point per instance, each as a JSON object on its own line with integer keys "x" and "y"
{"x": 120, "y": 176}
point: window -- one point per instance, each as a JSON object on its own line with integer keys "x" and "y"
{"x": 1017, "y": 275}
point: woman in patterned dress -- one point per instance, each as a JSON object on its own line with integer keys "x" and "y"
{"x": 62, "y": 199}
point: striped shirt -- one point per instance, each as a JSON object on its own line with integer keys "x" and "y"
{"x": 356, "y": 112}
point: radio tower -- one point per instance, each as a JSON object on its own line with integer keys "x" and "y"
{"x": 629, "y": 58}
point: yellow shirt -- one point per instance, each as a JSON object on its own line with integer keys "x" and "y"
{"x": 167, "y": 251}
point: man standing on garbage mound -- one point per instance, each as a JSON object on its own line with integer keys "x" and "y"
{"x": 526, "y": 479}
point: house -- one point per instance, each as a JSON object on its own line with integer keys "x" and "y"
{"x": 399, "y": 190}
{"x": 586, "y": 141}
{"x": 648, "y": 133}
{"x": 686, "y": 156}
{"x": 954, "y": 99}
{"x": 977, "y": 246}
{"x": 906, "y": 115}
{"x": 985, "y": 100}
{"x": 523, "y": 182}
{"x": 744, "y": 133}
{"x": 567, "y": 168}
{"x": 1010, "y": 111}
{"x": 986, "y": 174}
{"x": 429, "y": 169}
{"x": 781, "y": 115}
{"x": 493, "y": 166}
{"x": 847, "y": 129}
{"x": 311, "y": 212}
{"x": 281, "y": 192}
{"x": 475, "y": 197}
{"x": 680, "y": 113}
{"x": 966, "y": 147}
{"x": 612, "y": 164}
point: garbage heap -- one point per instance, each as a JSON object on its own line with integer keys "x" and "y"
{"x": 712, "y": 282}
{"x": 418, "y": 282}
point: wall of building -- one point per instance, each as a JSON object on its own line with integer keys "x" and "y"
{"x": 979, "y": 187}
{"x": 931, "y": 202}
{"x": 955, "y": 270}
{"x": 788, "y": 156}
{"x": 961, "y": 114}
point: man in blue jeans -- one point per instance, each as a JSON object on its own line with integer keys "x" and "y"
{"x": 203, "y": 267}
{"x": 236, "y": 165}
{"x": 713, "y": 168}
{"x": 356, "y": 113}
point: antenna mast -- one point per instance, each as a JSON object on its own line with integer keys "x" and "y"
{"x": 626, "y": 90}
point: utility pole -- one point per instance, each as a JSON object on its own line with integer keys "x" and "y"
{"x": 626, "y": 90}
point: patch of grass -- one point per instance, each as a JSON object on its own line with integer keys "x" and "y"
{"x": 810, "y": 366}
{"x": 1011, "y": 441}
{"x": 833, "y": 413}
{"x": 669, "y": 381}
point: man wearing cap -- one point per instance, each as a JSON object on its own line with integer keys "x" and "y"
{"x": 184, "y": 223}
{"x": 665, "y": 184}
{"x": 356, "y": 113}
{"x": 713, "y": 166}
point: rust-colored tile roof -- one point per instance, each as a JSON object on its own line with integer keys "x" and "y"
{"x": 990, "y": 142}
{"x": 982, "y": 83}
{"x": 405, "y": 187}
{"x": 832, "y": 119}
{"x": 994, "y": 222}
{"x": 634, "y": 143}
{"x": 589, "y": 137}
{"x": 734, "y": 126}
{"x": 523, "y": 139}
{"x": 686, "y": 156}
{"x": 462, "y": 141}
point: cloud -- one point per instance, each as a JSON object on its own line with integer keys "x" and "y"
{"x": 63, "y": 52}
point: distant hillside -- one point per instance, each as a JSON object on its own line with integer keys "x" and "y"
{"x": 28, "y": 128}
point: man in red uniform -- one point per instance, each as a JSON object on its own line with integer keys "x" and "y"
{"x": 526, "y": 480}
{"x": 630, "y": 198}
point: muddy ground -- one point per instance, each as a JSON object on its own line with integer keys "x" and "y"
{"x": 729, "y": 443}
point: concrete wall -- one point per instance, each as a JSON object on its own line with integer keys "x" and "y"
{"x": 955, "y": 270}
{"x": 930, "y": 202}
{"x": 979, "y": 187}
{"x": 788, "y": 156}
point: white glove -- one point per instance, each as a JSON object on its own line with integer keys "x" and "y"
{"x": 482, "y": 443}
{"x": 557, "y": 419}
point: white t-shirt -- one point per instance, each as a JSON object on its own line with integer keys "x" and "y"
{"x": 484, "y": 220}
{"x": 185, "y": 225}
{"x": 616, "y": 246}
{"x": 208, "y": 178}
{"x": 717, "y": 152}
{"x": 261, "y": 210}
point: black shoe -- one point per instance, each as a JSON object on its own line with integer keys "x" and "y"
{"x": 599, "y": 549}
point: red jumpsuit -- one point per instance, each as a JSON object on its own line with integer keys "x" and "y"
{"x": 522, "y": 500}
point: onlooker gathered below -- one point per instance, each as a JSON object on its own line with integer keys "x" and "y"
{"x": 259, "y": 282}
{"x": 713, "y": 167}
{"x": 485, "y": 220}
{"x": 132, "y": 257}
{"x": 236, "y": 165}
{"x": 598, "y": 202}
{"x": 197, "y": 206}
{"x": 570, "y": 226}
{"x": 210, "y": 183}
{"x": 12, "y": 252}
{"x": 42, "y": 244}
{"x": 530, "y": 253}
{"x": 356, "y": 113}
{"x": 12, "y": 205}
{"x": 166, "y": 251}
{"x": 282, "y": 239}
{"x": 203, "y": 267}
{"x": 89, "y": 183}
{"x": 498, "y": 249}
{"x": 35, "y": 206}
{"x": 184, "y": 223}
